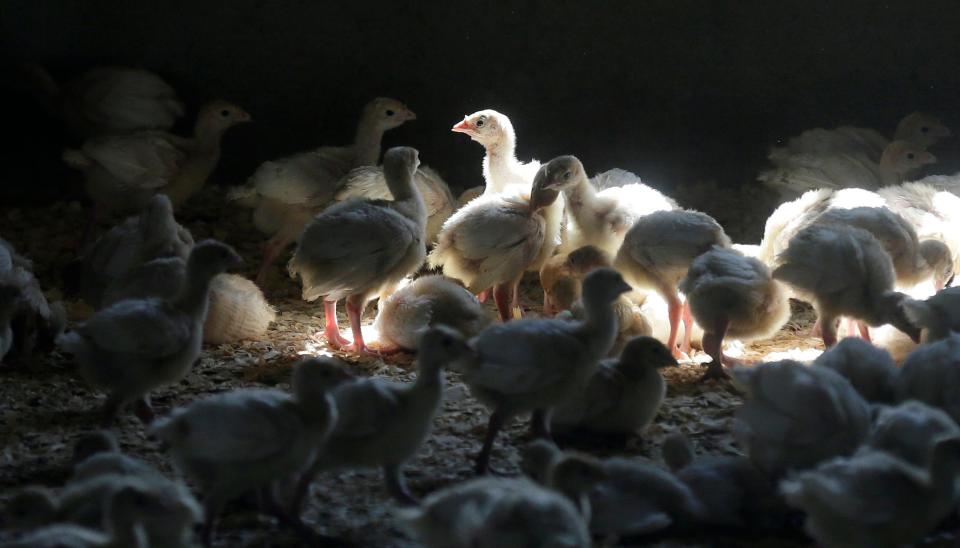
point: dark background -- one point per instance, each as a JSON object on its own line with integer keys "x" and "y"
{"x": 678, "y": 91}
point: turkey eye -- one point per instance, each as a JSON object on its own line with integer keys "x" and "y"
{"x": 566, "y": 176}
{"x": 389, "y": 113}
{"x": 924, "y": 129}
{"x": 480, "y": 122}
{"x": 224, "y": 113}
{"x": 909, "y": 156}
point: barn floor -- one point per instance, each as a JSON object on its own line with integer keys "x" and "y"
{"x": 45, "y": 408}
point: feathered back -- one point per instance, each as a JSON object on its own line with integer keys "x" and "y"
{"x": 490, "y": 240}
{"x": 238, "y": 311}
{"x": 122, "y": 100}
{"x": 931, "y": 375}
{"x": 831, "y": 262}
{"x": 368, "y": 182}
{"x": 896, "y": 236}
{"x": 933, "y": 213}
{"x": 870, "y": 369}
{"x": 796, "y": 416}
{"x": 788, "y": 219}
{"x": 405, "y": 316}
{"x": 664, "y": 243}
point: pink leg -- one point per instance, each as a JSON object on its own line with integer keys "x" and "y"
{"x": 851, "y": 328}
{"x": 674, "y": 309}
{"x": 355, "y": 305}
{"x": 687, "y": 328}
{"x": 501, "y": 296}
{"x": 482, "y": 296}
{"x": 864, "y": 331}
{"x": 331, "y": 329}
{"x": 515, "y": 299}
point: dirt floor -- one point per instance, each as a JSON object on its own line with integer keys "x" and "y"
{"x": 45, "y": 408}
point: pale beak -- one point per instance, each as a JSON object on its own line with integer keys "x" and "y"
{"x": 244, "y": 116}
{"x": 410, "y": 115}
{"x": 943, "y": 132}
{"x": 927, "y": 158}
{"x": 463, "y": 127}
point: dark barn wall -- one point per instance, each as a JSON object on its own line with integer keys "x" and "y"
{"x": 675, "y": 90}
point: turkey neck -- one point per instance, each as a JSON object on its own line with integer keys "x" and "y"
{"x": 193, "y": 297}
{"x": 366, "y": 143}
{"x": 580, "y": 196}
{"x": 429, "y": 383}
{"x": 206, "y": 136}
{"x": 407, "y": 199}
{"x": 600, "y": 325}
{"x": 500, "y": 163}
{"x": 888, "y": 172}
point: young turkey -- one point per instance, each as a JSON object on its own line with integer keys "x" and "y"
{"x": 108, "y": 100}
{"x": 656, "y": 254}
{"x": 796, "y": 416}
{"x": 870, "y": 369}
{"x": 369, "y": 182}
{"x": 382, "y": 423}
{"x": 501, "y": 169}
{"x": 111, "y": 267}
{"x": 533, "y": 365}
{"x": 875, "y": 499}
{"x": 508, "y": 229}
{"x": 361, "y": 249}
{"x": 429, "y": 301}
{"x": 623, "y": 395}
{"x": 733, "y": 295}
{"x": 621, "y": 496}
{"x": 495, "y": 238}
{"x": 920, "y": 128}
{"x": 136, "y": 345}
{"x": 251, "y": 440}
{"x": 123, "y": 171}
{"x": 807, "y": 172}
{"x": 493, "y": 512}
{"x": 844, "y": 271}
{"x": 286, "y": 193}
{"x": 600, "y": 218}
{"x": 28, "y": 322}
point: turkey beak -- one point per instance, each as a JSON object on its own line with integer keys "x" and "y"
{"x": 943, "y": 132}
{"x": 235, "y": 261}
{"x": 244, "y": 116}
{"x": 927, "y": 158}
{"x": 463, "y": 127}
{"x": 624, "y": 287}
{"x": 410, "y": 115}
